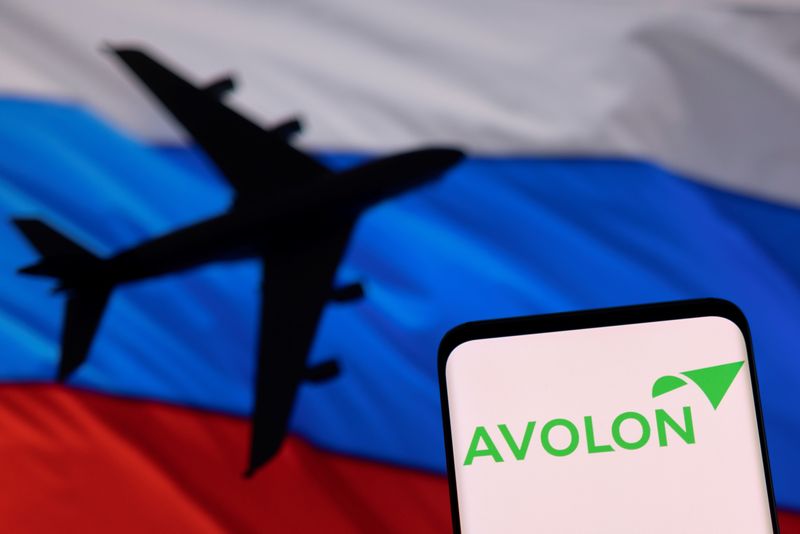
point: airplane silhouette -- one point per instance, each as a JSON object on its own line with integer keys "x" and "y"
{"x": 289, "y": 210}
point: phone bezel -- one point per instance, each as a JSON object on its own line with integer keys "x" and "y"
{"x": 579, "y": 320}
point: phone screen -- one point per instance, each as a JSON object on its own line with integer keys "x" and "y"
{"x": 628, "y": 420}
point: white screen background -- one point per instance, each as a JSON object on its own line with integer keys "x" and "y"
{"x": 714, "y": 485}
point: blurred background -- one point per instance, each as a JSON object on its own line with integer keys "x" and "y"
{"x": 619, "y": 152}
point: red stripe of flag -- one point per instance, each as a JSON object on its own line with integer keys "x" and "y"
{"x": 75, "y": 461}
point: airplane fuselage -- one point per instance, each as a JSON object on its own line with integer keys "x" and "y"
{"x": 262, "y": 226}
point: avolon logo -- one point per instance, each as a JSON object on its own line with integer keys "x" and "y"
{"x": 714, "y": 382}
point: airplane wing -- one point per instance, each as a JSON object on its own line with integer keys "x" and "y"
{"x": 253, "y": 160}
{"x": 83, "y": 313}
{"x": 295, "y": 288}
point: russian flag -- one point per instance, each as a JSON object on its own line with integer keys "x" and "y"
{"x": 619, "y": 153}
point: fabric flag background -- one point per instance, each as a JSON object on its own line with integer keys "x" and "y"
{"x": 619, "y": 153}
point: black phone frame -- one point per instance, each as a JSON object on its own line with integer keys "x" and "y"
{"x": 596, "y": 318}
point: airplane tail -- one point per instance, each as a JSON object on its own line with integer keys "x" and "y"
{"x": 78, "y": 272}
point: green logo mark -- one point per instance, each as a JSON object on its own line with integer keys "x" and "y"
{"x": 714, "y": 382}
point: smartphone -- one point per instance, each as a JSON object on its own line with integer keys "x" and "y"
{"x": 642, "y": 419}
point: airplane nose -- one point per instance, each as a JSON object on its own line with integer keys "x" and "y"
{"x": 444, "y": 157}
